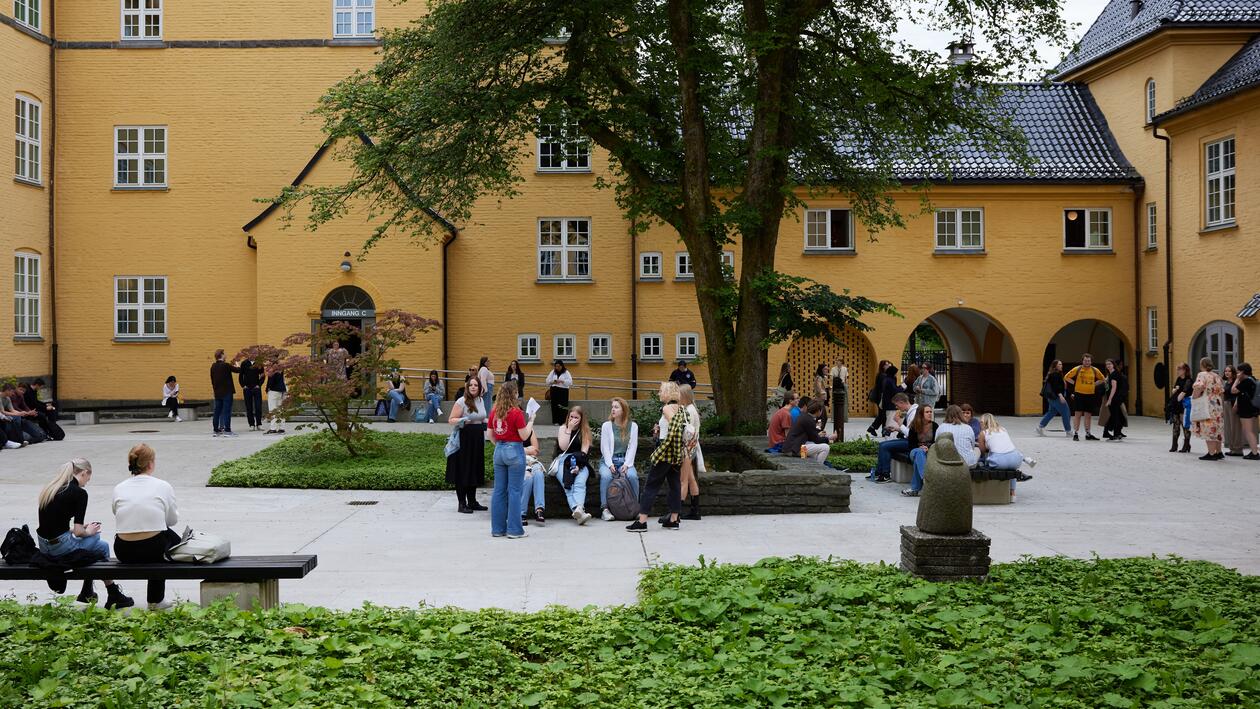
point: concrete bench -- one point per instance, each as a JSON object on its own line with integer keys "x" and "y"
{"x": 248, "y": 579}
{"x": 991, "y": 486}
{"x": 902, "y": 470}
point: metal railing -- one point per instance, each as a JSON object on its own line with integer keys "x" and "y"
{"x": 604, "y": 387}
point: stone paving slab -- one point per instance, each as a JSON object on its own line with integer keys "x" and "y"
{"x": 1111, "y": 499}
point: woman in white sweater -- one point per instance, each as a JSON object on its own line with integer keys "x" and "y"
{"x": 144, "y": 512}
{"x": 695, "y": 464}
{"x": 618, "y": 443}
{"x": 964, "y": 437}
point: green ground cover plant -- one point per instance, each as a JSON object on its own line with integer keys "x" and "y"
{"x": 858, "y": 456}
{"x": 781, "y": 633}
{"x": 390, "y": 461}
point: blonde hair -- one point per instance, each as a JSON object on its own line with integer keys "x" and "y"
{"x": 685, "y": 395}
{"x": 65, "y": 474}
{"x": 583, "y": 423}
{"x": 669, "y": 392}
{"x": 989, "y": 424}
{"x": 622, "y": 427}
{"x": 505, "y": 400}
{"x": 139, "y": 458}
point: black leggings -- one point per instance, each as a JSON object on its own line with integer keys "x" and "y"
{"x": 559, "y": 405}
{"x": 148, "y": 551}
{"x": 661, "y": 473}
{"x": 172, "y": 405}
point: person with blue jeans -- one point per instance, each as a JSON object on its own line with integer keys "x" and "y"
{"x": 397, "y": 397}
{"x": 509, "y": 430}
{"x": 883, "y": 460}
{"x": 571, "y": 464}
{"x": 618, "y": 444}
{"x": 486, "y": 377}
{"x": 224, "y": 389}
{"x": 434, "y": 393}
{"x": 920, "y": 436}
{"x": 1054, "y": 392}
{"x": 534, "y": 484}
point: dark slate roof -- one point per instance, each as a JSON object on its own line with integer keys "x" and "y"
{"x": 1240, "y": 73}
{"x": 1251, "y": 308}
{"x": 1117, "y": 27}
{"x": 1068, "y": 140}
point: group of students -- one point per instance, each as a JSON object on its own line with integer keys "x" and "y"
{"x": 920, "y": 385}
{"x": 24, "y": 418}
{"x": 1085, "y": 392}
{"x": 253, "y": 379}
{"x": 1221, "y": 409}
{"x": 144, "y": 511}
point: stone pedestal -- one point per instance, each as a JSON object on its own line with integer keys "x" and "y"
{"x": 85, "y": 418}
{"x": 941, "y": 557}
{"x": 266, "y": 594}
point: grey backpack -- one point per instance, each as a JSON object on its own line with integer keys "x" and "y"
{"x": 622, "y": 502}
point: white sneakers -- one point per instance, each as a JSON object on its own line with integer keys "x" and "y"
{"x": 1032, "y": 462}
{"x": 606, "y": 515}
{"x": 178, "y": 419}
{"x": 12, "y": 444}
{"x": 581, "y": 515}
{"x": 1041, "y": 431}
{"x": 170, "y": 414}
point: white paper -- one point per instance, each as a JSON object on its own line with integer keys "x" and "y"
{"x": 531, "y": 407}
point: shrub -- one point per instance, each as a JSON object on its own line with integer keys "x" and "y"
{"x": 391, "y": 461}
{"x": 852, "y": 463}
{"x": 861, "y": 446}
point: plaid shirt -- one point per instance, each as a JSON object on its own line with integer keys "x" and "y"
{"x": 671, "y": 448}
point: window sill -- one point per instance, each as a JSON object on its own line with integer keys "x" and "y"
{"x": 1150, "y": 249}
{"x": 529, "y": 360}
{"x": 27, "y": 339}
{"x": 829, "y": 252}
{"x": 147, "y": 43}
{"x": 684, "y": 278}
{"x": 354, "y": 42}
{"x": 1231, "y": 226}
{"x": 1152, "y": 353}
{"x": 651, "y": 279}
{"x": 1089, "y": 252}
{"x": 600, "y": 361}
{"x": 28, "y": 183}
{"x": 565, "y": 281}
{"x": 959, "y": 252}
{"x": 566, "y": 171}
{"x": 660, "y": 360}
{"x": 141, "y": 188}
{"x": 142, "y": 340}
{"x": 566, "y": 360}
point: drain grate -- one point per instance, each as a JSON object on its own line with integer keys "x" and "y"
{"x": 146, "y": 431}
{"x": 362, "y": 503}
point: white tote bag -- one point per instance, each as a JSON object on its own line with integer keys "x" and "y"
{"x": 1199, "y": 408}
{"x": 200, "y": 548}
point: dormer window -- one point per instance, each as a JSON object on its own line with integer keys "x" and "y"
{"x": 1150, "y": 100}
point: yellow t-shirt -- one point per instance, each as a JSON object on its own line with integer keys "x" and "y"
{"x": 1085, "y": 379}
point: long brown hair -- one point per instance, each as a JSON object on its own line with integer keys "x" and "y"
{"x": 470, "y": 401}
{"x": 583, "y": 424}
{"x": 505, "y": 400}
{"x": 920, "y": 422}
{"x": 1054, "y": 367}
{"x": 953, "y": 414}
{"x": 621, "y": 427}
{"x": 912, "y": 374}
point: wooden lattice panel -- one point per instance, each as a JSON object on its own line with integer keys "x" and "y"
{"x": 857, "y": 354}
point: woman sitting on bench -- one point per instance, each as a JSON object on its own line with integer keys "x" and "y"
{"x": 1000, "y": 451}
{"x": 144, "y": 511}
{"x": 62, "y": 511}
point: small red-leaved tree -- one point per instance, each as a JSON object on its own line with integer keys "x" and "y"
{"x": 316, "y": 387}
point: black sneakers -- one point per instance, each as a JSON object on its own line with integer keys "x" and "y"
{"x": 637, "y": 526}
{"x": 671, "y": 525}
{"x": 539, "y": 519}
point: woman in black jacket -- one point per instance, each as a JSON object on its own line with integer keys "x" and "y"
{"x": 890, "y": 390}
{"x": 514, "y": 374}
{"x": 1117, "y": 394}
{"x": 877, "y": 396}
{"x": 1179, "y": 407}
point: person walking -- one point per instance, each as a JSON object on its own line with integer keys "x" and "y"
{"x": 618, "y": 444}
{"x": 1232, "y": 425}
{"x": 434, "y": 395}
{"x": 277, "y": 391}
{"x": 514, "y": 374}
{"x": 1179, "y": 408}
{"x": 1117, "y": 394}
{"x": 682, "y": 375}
{"x": 666, "y": 463}
{"x": 224, "y": 391}
{"x": 509, "y": 429}
{"x": 144, "y": 512}
{"x": 927, "y": 388}
{"x": 559, "y": 381}
{"x": 63, "y": 529}
{"x": 338, "y": 358}
{"x": 251, "y": 379}
{"x": 876, "y": 397}
{"x": 1084, "y": 380}
{"x": 693, "y": 464}
{"x": 170, "y": 398}
{"x": 466, "y": 467}
{"x": 571, "y": 464}
{"x": 486, "y": 377}
{"x": 1244, "y": 389}
{"x": 1054, "y": 391}
{"x": 1209, "y": 390}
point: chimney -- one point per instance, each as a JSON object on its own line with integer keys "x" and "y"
{"x": 962, "y": 51}
{"x": 1135, "y": 6}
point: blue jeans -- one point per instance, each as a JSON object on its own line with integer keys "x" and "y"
{"x": 883, "y": 462}
{"x": 1005, "y": 461}
{"x": 67, "y": 543}
{"x": 431, "y": 412}
{"x": 918, "y": 457}
{"x": 222, "y": 417}
{"x": 395, "y": 401}
{"x": 535, "y": 482}
{"x": 509, "y": 479}
{"x": 488, "y": 399}
{"x": 605, "y": 478}
{"x": 1059, "y": 407}
{"x": 576, "y": 495}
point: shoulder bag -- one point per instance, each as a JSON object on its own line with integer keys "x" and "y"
{"x": 200, "y": 548}
{"x": 1199, "y": 408}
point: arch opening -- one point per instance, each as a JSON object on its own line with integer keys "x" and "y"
{"x": 973, "y": 358}
{"x": 1219, "y": 340}
{"x": 857, "y": 354}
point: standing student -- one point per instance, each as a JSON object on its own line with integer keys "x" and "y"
{"x": 170, "y": 398}
{"x": 514, "y": 374}
{"x": 693, "y": 463}
{"x": 224, "y": 391}
{"x": 618, "y": 444}
{"x": 144, "y": 512}
{"x": 682, "y": 375}
{"x": 927, "y": 388}
{"x": 666, "y": 463}
{"x": 1232, "y": 425}
{"x": 251, "y": 379}
{"x": 571, "y": 464}
{"x": 876, "y": 397}
{"x": 887, "y": 408}
{"x": 466, "y": 467}
{"x": 1244, "y": 388}
{"x": 63, "y": 528}
{"x": 1208, "y": 386}
{"x": 1054, "y": 391}
{"x": 434, "y": 395}
{"x": 1084, "y": 380}
{"x": 1117, "y": 393}
{"x": 785, "y": 377}
{"x": 822, "y": 392}
{"x": 486, "y": 377}
{"x": 559, "y": 381}
{"x": 277, "y": 391}
{"x": 1179, "y": 408}
{"x": 510, "y": 430}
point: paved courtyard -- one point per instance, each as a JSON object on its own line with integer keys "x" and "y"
{"x": 1110, "y": 499}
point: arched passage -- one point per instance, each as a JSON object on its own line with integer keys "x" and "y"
{"x": 857, "y": 354}
{"x": 975, "y": 359}
{"x": 348, "y": 304}
{"x": 1097, "y": 338}
{"x": 1219, "y": 340}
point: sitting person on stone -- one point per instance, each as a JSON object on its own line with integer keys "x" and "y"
{"x": 969, "y": 417}
{"x": 63, "y": 528}
{"x": 899, "y": 428}
{"x": 572, "y": 461}
{"x": 618, "y": 445}
{"x": 805, "y": 440}
{"x": 920, "y": 437}
{"x": 535, "y": 483}
{"x": 1000, "y": 451}
{"x": 781, "y": 423}
{"x": 12, "y": 407}
{"x": 963, "y": 437}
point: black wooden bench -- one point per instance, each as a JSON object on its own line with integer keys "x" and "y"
{"x": 249, "y": 579}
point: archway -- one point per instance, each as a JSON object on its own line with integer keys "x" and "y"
{"x": 1099, "y": 339}
{"x": 857, "y": 354}
{"x": 974, "y": 358}
{"x": 348, "y": 304}
{"x": 1219, "y": 340}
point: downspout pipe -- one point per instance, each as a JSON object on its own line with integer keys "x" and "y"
{"x": 1168, "y": 249}
{"x": 446, "y": 364}
{"x": 1139, "y": 209}
{"x": 51, "y": 162}
{"x": 634, "y": 309}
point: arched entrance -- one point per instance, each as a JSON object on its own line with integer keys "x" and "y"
{"x": 1095, "y": 337}
{"x": 926, "y": 345}
{"x": 348, "y": 304}
{"x": 1221, "y": 341}
{"x": 974, "y": 358}
{"x": 857, "y": 354}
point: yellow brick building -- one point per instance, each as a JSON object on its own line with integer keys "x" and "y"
{"x": 139, "y": 247}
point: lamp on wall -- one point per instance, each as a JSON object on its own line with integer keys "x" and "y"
{"x": 345, "y": 264}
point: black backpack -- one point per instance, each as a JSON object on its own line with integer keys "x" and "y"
{"x": 19, "y": 546}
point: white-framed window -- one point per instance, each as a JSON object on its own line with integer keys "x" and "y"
{"x": 1220, "y": 182}
{"x": 527, "y": 347}
{"x": 682, "y": 265}
{"x": 1150, "y": 100}
{"x": 140, "y": 306}
{"x": 1152, "y": 330}
{"x": 650, "y": 346}
{"x": 728, "y": 260}
{"x": 28, "y": 119}
{"x": 828, "y": 230}
{"x": 354, "y": 18}
{"x": 564, "y": 249}
{"x": 650, "y": 265}
{"x": 1152, "y": 225}
{"x": 27, "y": 12}
{"x": 687, "y": 345}
{"x": 561, "y": 145}
{"x": 140, "y": 156}
{"x": 1085, "y": 229}
{"x": 959, "y": 229}
{"x": 564, "y": 346}
{"x": 26, "y": 279}
{"x": 601, "y": 347}
{"x": 141, "y": 19}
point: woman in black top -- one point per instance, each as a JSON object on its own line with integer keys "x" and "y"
{"x": 785, "y": 377}
{"x": 514, "y": 374}
{"x": 1179, "y": 407}
{"x": 886, "y": 405}
{"x": 1244, "y": 390}
{"x": 877, "y": 392}
{"x": 1055, "y": 394}
{"x": 921, "y": 437}
{"x": 1231, "y": 425}
{"x": 62, "y": 529}
{"x": 1117, "y": 394}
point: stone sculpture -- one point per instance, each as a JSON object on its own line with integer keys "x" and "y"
{"x": 945, "y": 503}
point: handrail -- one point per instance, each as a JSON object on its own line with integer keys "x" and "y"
{"x": 585, "y": 383}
